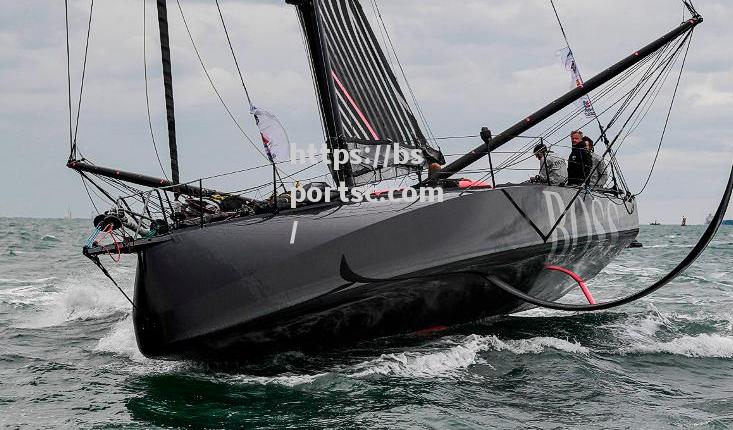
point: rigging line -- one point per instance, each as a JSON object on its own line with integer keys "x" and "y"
{"x": 231, "y": 48}
{"x": 98, "y": 187}
{"x": 669, "y": 113}
{"x": 553, "y": 129}
{"x": 241, "y": 79}
{"x": 83, "y": 73}
{"x": 651, "y": 101}
{"x": 641, "y": 102}
{"x": 91, "y": 200}
{"x": 68, "y": 81}
{"x": 518, "y": 158}
{"x": 268, "y": 184}
{"x": 213, "y": 86}
{"x": 653, "y": 68}
{"x": 147, "y": 96}
{"x": 665, "y": 67}
{"x": 562, "y": 29}
{"x": 590, "y": 101}
{"x": 651, "y": 88}
{"x": 404, "y": 74}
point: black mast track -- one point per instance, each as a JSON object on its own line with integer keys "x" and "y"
{"x": 560, "y": 103}
{"x": 165, "y": 51}
{"x": 314, "y": 38}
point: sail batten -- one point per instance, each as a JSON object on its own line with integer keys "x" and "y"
{"x": 361, "y": 99}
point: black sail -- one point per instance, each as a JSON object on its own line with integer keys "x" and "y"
{"x": 364, "y": 104}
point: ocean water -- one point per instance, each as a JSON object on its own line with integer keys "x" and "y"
{"x": 68, "y": 357}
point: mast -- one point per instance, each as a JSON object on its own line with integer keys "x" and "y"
{"x": 314, "y": 39}
{"x": 165, "y": 52}
{"x": 560, "y": 103}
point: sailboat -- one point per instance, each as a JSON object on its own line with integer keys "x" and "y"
{"x": 224, "y": 275}
{"x": 684, "y": 221}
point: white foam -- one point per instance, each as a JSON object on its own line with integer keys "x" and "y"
{"x": 466, "y": 353}
{"x": 704, "y": 345}
{"x": 287, "y": 380}
{"x": 87, "y": 296}
{"x": 641, "y": 329}
{"x": 537, "y": 345}
{"x": 121, "y": 341}
{"x": 422, "y": 365}
{"x": 26, "y": 282}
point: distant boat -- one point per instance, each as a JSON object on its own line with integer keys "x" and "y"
{"x": 684, "y": 221}
{"x": 67, "y": 216}
{"x": 727, "y": 222}
{"x": 655, "y": 223}
{"x": 709, "y": 219}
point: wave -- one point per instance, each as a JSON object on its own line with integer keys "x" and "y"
{"x": 73, "y": 299}
{"x": 657, "y": 332}
{"x": 50, "y": 238}
{"x": 422, "y": 365}
{"x": 121, "y": 341}
{"x": 704, "y": 345}
{"x": 538, "y": 345}
{"x": 466, "y": 353}
{"x": 26, "y": 282}
{"x": 286, "y": 380}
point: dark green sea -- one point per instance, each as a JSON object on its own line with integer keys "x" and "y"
{"x": 68, "y": 357}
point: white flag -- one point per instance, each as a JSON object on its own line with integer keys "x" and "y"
{"x": 571, "y": 66}
{"x": 274, "y": 137}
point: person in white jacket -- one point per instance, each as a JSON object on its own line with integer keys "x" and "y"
{"x": 553, "y": 170}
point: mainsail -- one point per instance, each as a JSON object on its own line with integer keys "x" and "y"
{"x": 362, "y": 104}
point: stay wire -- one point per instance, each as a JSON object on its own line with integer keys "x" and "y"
{"x": 83, "y": 75}
{"x": 629, "y": 97}
{"x": 241, "y": 78}
{"x": 234, "y": 56}
{"x": 404, "y": 74}
{"x": 669, "y": 113}
{"x": 213, "y": 86}
{"x": 72, "y": 151}
{"x": 614, "y": 164}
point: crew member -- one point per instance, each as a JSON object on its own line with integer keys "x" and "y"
{"x": 580, "y": 162}
{"x": 600, "y": 170}
{"x": 434, "y": 168}
{"x": 552, "y": 168}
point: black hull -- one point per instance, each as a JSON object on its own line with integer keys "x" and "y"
{"x": 239, "y": 290}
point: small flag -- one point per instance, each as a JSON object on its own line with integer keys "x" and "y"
{"x": 274, "y": 137}
{"x": 572, "y": 66}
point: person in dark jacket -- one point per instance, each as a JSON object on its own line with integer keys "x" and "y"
{"x": 580, "y": 162}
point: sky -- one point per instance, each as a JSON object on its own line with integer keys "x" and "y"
{"x": 471, "y": 63}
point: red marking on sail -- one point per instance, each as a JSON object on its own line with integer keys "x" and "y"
{"x": 353, "y": 104}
